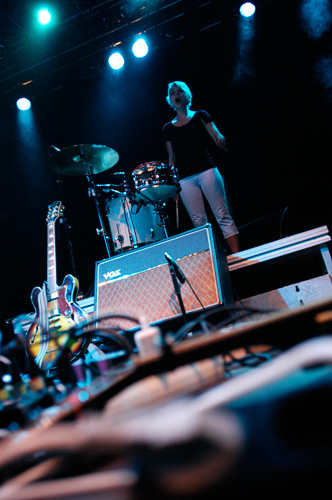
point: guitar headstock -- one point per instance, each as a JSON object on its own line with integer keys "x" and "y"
{"x": 55, "y": 210}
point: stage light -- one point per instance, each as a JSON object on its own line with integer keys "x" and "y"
{"x": 244, "y": 70}
{"x": 23, "y": 104}
{"x": 116, "y": 60}
{"x": 316, "y": 17}
{"x": 247, "y": 9}
{"x": 44, "y": 16}
{"x": 140, "y": 48}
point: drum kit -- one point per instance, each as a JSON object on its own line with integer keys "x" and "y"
{"x": 136, "y": 209}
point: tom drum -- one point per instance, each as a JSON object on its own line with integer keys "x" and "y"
{"x": 155, "y": 182}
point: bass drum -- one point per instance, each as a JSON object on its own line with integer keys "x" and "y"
{"x": 132, "y": 224}
{"x": 155, "y": 182}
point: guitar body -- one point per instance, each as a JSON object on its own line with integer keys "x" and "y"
{"x": 70, "y": 310}
{"x": 56, "y": 312}
{"x": 68, "y": 298}
{"x": 34, "y": 336}
{"x": 47, "y": 333}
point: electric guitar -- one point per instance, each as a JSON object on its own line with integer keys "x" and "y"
{"x": 56, "y": 309}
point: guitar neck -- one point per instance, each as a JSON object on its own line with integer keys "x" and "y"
{"x": 51, "y": 259}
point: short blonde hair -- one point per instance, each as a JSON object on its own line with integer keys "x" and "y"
{"x": 182, "y": 86}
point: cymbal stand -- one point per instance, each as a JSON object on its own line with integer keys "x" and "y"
{"x": 92, "y": 192}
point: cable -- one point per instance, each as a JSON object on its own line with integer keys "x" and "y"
{"x": 261, "y": 218}
{"x": 281, "y": 221}
{"x": 108, "y": 316}
{"x": 109, "y": 333}
{"x": 192, "y": 289}
{"x": 76, "y": 332}
{"x": 185, "y": 329}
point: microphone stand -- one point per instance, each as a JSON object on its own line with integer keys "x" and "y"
{"x": 177, "y": 290}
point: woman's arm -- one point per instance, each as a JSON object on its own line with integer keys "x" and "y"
{"x": 217, "y": 136}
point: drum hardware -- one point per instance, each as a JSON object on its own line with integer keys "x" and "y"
{"x": 130, "y": 227}
{"x": 140, "y": 197}
{"x": 177, "y": 212}
{"x": 102, "y": 231}
{"x": 155, "y": 182}
{"x": 160, "y": 209}
{"x": 87, "y": 160}
{"x": 107, "y": 188}
{"x": 121, "y": 238}
{"x": 138, "y": 208}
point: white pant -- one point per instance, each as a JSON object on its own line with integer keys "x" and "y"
{"x": 211, "y": 184}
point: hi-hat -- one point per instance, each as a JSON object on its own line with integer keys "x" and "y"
{"x": 83, "y": 159}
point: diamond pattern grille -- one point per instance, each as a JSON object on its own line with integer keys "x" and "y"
{"x": 151, "y": 293}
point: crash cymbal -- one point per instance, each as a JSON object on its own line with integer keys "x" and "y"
{"x": 83, "y": 159}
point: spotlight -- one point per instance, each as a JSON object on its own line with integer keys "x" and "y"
{"x": 23, "y": 104}
{"x": 247, "y": 9}
{"x": 44, "y": 16}
{"x": 7, "y": 378}
{"x": 140, "y": 48}
{"x": 116, "y": 60}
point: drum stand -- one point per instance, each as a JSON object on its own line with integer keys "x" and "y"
{"x": 159, "y": 208}
{"x": 93, "y": 193}
{"x": 129, "y": 222}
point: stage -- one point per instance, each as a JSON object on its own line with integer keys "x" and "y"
{"x": 216, "y": 405}
{"x": 285, "y": 273}
{"x": 139, "y": 359}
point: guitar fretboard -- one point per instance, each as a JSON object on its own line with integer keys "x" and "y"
{"x": 51, "y": 260}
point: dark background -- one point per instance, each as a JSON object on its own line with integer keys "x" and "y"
{"x": 270, "y": 96}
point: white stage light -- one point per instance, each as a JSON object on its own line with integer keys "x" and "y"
{"x": 247, "y": 9}
{"x": 140, "y": 48}
{"x": 116, "y": 60}
{"x": 23, "y": 104}
{"x": 44, "y": 16}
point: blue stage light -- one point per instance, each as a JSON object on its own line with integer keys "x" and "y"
{"x": 140, "y": 48}
{"x": 44, "y": 16}
{"x": 23, "y": 104}
{"x": 116, "y": 60}
{"x": 247, "y": 9}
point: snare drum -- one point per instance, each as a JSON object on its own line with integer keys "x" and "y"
{"x": 155, "y": 182}
{"x": 131, "y": 228}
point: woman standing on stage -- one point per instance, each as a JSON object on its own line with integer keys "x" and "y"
{"x": 186, "y": 138}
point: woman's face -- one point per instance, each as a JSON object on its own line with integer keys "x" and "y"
{"x": 178, "y": 97}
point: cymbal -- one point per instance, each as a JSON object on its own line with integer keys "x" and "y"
{"x": 83, "y": 159}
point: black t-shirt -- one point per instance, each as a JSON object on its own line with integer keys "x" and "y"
{"x": 190, "y": 144}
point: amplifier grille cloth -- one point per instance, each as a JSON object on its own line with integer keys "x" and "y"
{"x": 151, "y": 292}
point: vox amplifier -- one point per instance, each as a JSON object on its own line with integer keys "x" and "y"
{"x": 139, "y": 282}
